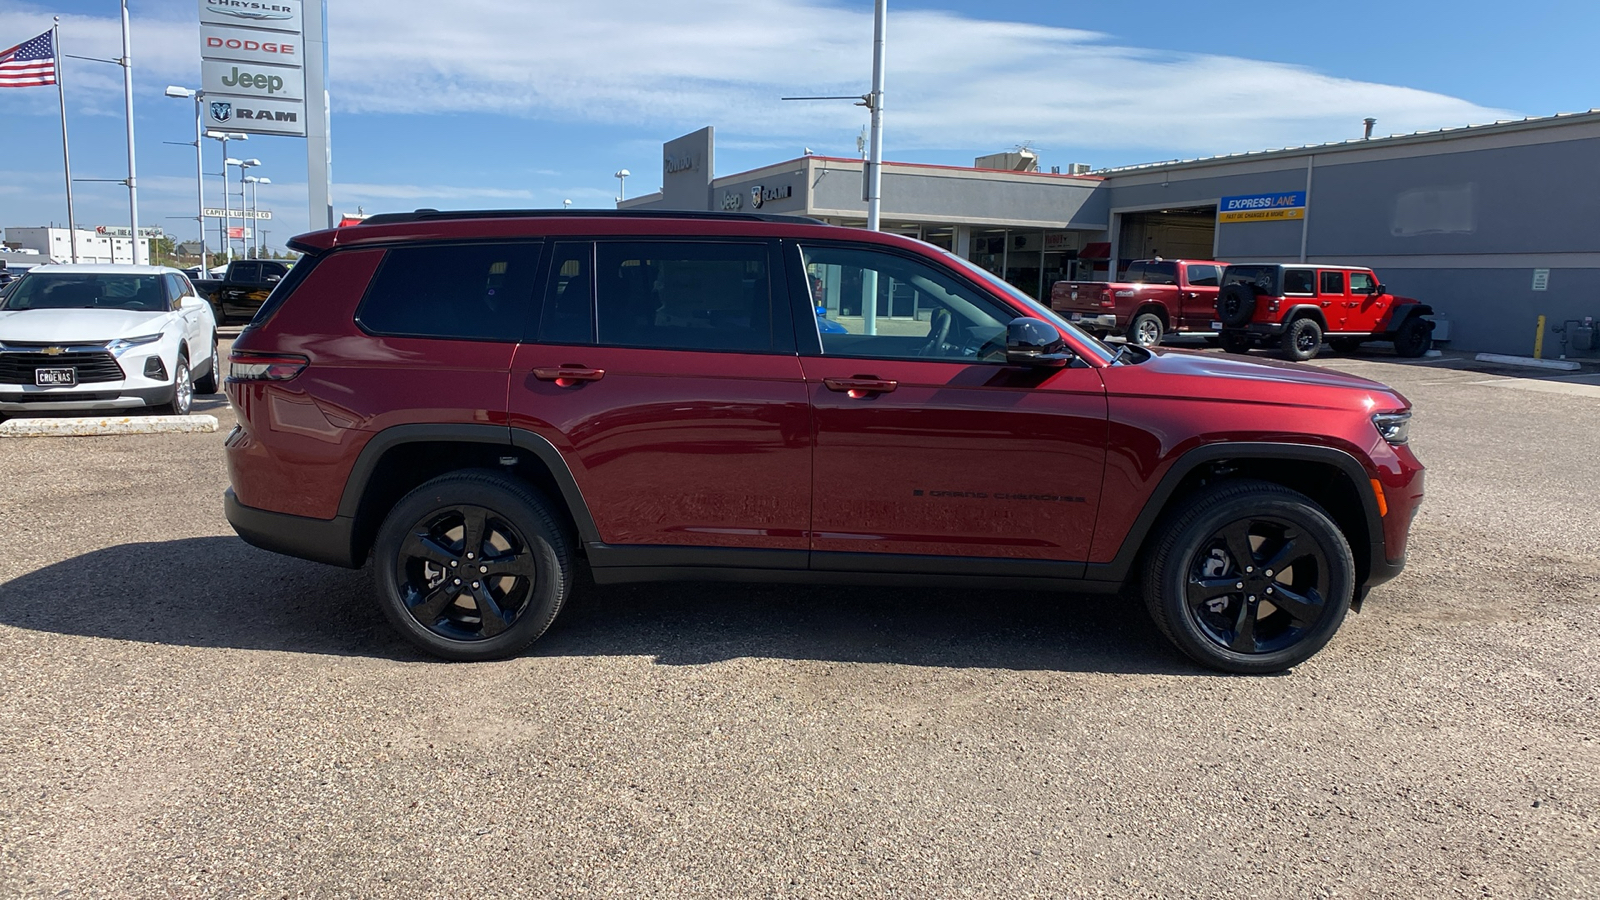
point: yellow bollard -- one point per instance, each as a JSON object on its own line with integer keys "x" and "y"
{"x": 1538, "y": 340}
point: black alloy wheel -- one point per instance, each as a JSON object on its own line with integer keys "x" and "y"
{"x": 1302, "y": 339}
{"x": 1146, "y": 330}
{"x": 1414, "y": 338}
{"x": 472, "y": 566}
{"x": 1250, "y": 577}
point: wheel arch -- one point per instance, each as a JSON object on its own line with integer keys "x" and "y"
{"x": 1305, "y": 311}
{"x": 401, "y": 457}
{"x": 1157, "y": 307}
{"x": 1331, "y": 477}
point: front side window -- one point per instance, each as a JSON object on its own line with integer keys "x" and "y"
{"x": 1332, "y": 283}
{"x": 683, "y": 295}
{"x": 1298, "y": 281}
{"x": 246, "y": 272}
{"x": 470, "y": 291}
{"x": 936, "y": 317}
{"x": 1360, "y": 283}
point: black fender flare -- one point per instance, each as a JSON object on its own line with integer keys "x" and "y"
{"x": 1133, "y": 542}
{"x": 366, "y": 463}
{"x": 1303, "y": 311}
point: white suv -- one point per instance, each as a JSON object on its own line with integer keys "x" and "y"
{"x": 100, "y": 337}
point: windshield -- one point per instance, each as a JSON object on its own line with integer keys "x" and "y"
{"x": 1034, "y": 307}
{"x": 87, "y": 290}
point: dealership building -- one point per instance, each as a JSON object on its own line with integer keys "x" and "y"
{"x": 1493, "y": 225}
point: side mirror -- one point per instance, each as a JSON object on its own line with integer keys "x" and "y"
{"x": 1035, "y": 342}
{"x": 1380, "y": 288}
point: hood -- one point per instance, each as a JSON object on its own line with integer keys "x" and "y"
{"x": 1214, "y": 376}
{"x": 87, "y": 326}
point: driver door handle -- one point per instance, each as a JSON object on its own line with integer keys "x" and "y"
{"x": 861, "y": 386}
{"x": 569, "y": 375}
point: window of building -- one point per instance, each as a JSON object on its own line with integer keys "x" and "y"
{"x": 1332, "y": 283}
{"x": 683, "y": 295}
{"x": 954, "y": 321}
{"x": 1298, "y": 281}
{"x": 470, "y": 291}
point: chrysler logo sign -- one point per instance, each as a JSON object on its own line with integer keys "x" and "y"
{"x": 675, "y": 164}
{"x": 256, "y": 12}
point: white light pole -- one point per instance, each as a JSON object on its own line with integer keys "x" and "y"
{"x": 622, "y": 184}
{"x": 875, "y": 103}
{"x": 184, "y": 93}
{"x": 255, "y": 233}
{"x": 223, "y": 247}
{"x": 127, "y": 89}
{"x": 243, "y": 165}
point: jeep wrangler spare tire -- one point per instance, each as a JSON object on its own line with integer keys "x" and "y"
{"x": 1236, "y": 305}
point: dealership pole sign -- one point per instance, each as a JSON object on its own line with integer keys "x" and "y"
{"x": 252, "y": 66}
{"x": 1278, "y": 207}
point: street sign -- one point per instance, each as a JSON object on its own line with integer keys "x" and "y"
{"x": 251, "y": 66}
{"x": 213, "y": 212}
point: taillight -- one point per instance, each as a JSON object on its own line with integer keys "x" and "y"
{"x": 265, "y": 366}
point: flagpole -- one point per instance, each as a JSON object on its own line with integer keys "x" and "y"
{"x": 66, "y": 155}
{"x": 127, "y": 90}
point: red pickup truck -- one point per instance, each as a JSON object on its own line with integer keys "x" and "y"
{"x": 1156, "y": 296}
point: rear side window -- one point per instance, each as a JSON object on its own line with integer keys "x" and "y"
{"x": 1263, "y": 278}
{"x": 1203, "y": 276}
{"x": 1134, "y": 273}
{"x": 247, "y": 272}
{"x": 1160, "y": 273}
{"x": 683, "y": 295}
{"x": 1298, "y": 281}
{"x": 1332, "y": 283}
{"x": 467, "y": 291}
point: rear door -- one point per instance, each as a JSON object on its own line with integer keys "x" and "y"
{"x": 1335, "y": 300}
{"x": 927, "y": 443}
{"x": 1199, "y": 296}
{"x": 661, "y": 374}
{"x": 234, "y": 295}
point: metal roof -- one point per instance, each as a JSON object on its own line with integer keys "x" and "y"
{"x": 1451, "y": 133}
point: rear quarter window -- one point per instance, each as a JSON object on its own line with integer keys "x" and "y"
{"x": 1299, "y": 281}
{"x": 478, "y": 291}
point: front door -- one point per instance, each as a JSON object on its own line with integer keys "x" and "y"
{"x": 927, "y": 443}
{"x": 675, "y": 395}
{"x": 1367, "y": 307}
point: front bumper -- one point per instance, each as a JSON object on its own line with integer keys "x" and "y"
{"x": 22, "y": 398}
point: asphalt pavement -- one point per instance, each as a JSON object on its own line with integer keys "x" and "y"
{"x": 184, "y": 715}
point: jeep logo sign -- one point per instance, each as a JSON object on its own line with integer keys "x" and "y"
{"x": 242, "y": 80}
{"x": 251, "y": 65}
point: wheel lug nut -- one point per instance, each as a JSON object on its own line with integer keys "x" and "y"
{"x": 1269, "y": 573}
{"x": 1240, "y": 585}
{"x": 1251, "y": 598}
{"x": 454, "y": 563}
{"x": 469, "y": 556}
{"x": 458, "y": 581}
{"x": 474, "y": 585}
{"x": 1269, "y": 590}
{"x": 1249, "y": 568}
{"x": 483, "y": 569}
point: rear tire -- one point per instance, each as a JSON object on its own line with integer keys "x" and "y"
{"x": 1414, "y": 338}
{"x": 1206, "y": 583}
{"x": 472, "y": 566}
{"x": 1235, "y": 341}
{"x": 1146, "y": 330}
{"x": 1302, "y": 339}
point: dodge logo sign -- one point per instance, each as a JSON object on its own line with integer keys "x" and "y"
{"x": 222, "y": 112}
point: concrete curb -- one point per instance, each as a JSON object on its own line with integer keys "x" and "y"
{"x": 1563, "y": 364}
{"x": 86, "y": 427}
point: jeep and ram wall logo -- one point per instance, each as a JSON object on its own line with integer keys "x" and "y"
{"x": 760, "y": 195}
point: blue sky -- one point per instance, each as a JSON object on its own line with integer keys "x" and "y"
{"x": 525, "y": 103}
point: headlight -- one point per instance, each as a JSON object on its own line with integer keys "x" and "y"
{"x": 1394, "y": 426}
{"x": 121, "y": 344}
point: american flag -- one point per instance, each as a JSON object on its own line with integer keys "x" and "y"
{"x": 29, "y": 64}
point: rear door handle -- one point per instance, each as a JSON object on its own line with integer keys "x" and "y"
{"x": 569, "y": 376}
{"x": 861, "y": 386}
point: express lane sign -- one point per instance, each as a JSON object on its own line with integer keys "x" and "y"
{"x": 1274, "y": 207}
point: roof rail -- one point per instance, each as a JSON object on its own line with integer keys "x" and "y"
{"x": 428, "y": 215}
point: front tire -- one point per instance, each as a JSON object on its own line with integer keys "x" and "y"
{"x": 472, "y": 566}
{"x": 182, "y": 389}
{"x": 1249, "y": 577}
{"x": 1302, "y": 340}
{"x": 1146, "y": 330}
{"x": 213, "y": 378}
{"x": 1414, "y": 338}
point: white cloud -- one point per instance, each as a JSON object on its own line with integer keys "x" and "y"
{"x": 953, "y": 81}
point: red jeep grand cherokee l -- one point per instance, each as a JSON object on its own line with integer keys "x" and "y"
{"x": 478, "y": 400}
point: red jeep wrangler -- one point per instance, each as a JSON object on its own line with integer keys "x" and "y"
{"x": 1155, "y": 297}
{"x": 480, "y": 402}
{"x": 1300, "y": 306}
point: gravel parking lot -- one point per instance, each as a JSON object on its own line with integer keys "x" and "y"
{"x": 185, "y": 715}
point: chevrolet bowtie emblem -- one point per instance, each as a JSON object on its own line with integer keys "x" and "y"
{"x": 53, "y": 351}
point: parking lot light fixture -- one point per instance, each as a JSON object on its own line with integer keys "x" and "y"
{"x": 183, "y": 93}
{"x": 622, "y": 184}
{"x": 223, "y": 246}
